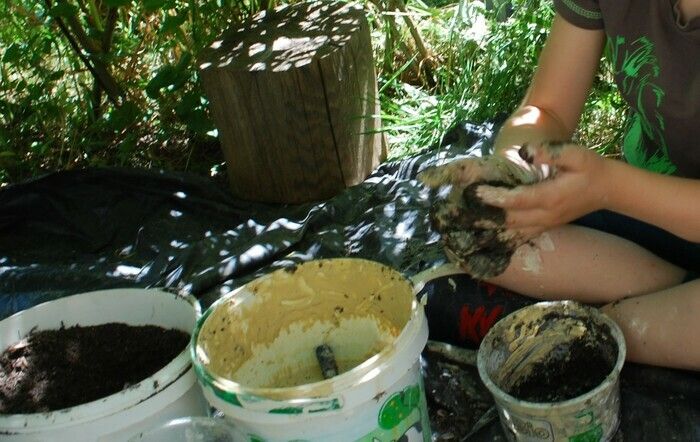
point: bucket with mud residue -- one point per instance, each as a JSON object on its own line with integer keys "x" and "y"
{"x": 553, "y": 369}
{"x": 260, "y": 354}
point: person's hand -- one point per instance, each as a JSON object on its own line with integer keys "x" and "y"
{"x": 577, "y": 186}
{"x": 506, "y": 167}
{"x": 474, "y": 233}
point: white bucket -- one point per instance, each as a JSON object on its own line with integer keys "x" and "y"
{"x": 254, "y": 353}
{"x": 543, "y": 332}
{"x": 170, "y": 393}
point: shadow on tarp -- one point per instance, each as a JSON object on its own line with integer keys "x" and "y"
{"x": 78, "y": 231}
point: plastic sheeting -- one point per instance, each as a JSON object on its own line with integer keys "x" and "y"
{"x": 78, "y": 231}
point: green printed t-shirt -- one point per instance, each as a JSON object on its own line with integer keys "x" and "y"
{"x": 655, "y": 54}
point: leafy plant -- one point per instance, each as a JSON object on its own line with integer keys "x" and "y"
{"x": 114, "y": 82}
{"x": 484, "y": 66}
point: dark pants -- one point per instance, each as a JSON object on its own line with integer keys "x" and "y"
{"x": 461, "y": 310}
{"x": 684, "y": 254}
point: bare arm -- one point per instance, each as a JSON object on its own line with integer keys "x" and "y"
{"x": 669, "y": 202}
{"x": 552, "y": 106}
{"x": 586, "y": 182}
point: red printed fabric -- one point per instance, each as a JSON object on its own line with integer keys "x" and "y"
{"x": 461, "y": 310}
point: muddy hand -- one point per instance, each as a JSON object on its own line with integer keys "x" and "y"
{"x": 509, "y": 169}
{"x": 483, "y": 253}
{"x": 473, "y": 233}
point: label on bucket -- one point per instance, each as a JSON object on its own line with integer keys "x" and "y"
{"x": 403, "y": 416}
{"x": 581, "y": 427}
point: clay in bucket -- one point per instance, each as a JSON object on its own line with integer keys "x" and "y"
{"x": 326, "y": 350}
{"x": 553, "y": 369}
{"x": 270, "y": 340}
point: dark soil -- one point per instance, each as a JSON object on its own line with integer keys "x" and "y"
{"x": 579, "y": 369}
{"x": 456, "y": 397}
{"x": 55, "y": 369}
{"x": 470, "y": 229}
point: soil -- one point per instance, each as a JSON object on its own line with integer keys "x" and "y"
{"x": 579, "y": 369}
{"x": 55, "y": 369}
{"x": 457, "y": 399}
{"x": 471, "y": 231}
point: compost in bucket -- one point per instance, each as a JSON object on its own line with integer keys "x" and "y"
{"x": 564, "y": 358}
{"x": 553, "y": 369}
{"x": 55, "y": 369}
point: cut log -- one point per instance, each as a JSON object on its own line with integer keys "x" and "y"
{"x": 293, "y": 93}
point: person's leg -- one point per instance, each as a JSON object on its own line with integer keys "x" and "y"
{"x": 575, "y": 262}
{"x": 661, "y": 328}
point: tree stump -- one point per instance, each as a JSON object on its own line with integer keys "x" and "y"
{"x": 293, "y": 93}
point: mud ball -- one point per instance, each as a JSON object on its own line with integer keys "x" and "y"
{"x": 473, "y": 232}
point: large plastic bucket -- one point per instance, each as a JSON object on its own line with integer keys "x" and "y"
{"x": 254, "y": 353}
{"x": 170, "y": 393}
{"x": 542, "y": 334}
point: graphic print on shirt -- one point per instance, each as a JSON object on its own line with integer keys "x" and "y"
{"x": 637, "y": 69}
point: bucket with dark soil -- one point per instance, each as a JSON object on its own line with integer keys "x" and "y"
{"x": 103, "y": 365}
{"x": 51, "y": 370}
{"x": 553, "y": 369}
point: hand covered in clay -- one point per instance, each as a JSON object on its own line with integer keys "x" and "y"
{"x": 508, "y": 168}
{"x": 474, "y": 233}
{"x": 578, "y": 187}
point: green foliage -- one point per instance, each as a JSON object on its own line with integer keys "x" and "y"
{"x": 114, "y": 82}
{"x": 107, "y": 82}
{"x": 484, "y": 66}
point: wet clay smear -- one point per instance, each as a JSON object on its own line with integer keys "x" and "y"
{"x": 55, "y": 369}
{"x": 569, "y": 373}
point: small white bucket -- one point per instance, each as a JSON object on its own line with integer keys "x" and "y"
{"x": 170, "y": 393}
{"x": 254, "y": 353}
{"x": 539, "y": 336}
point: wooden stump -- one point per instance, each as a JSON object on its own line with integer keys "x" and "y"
{"x": 294, "y": 97}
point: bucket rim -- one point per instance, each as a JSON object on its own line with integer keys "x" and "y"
{"x": 116, "y": 402}
{"x": 301, "y": 395}
{"x": 610, "y": 379}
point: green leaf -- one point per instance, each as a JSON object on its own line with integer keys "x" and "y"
{"x": 12, "y": 54}
{"x": 172, "y": 22}
{"x": 169, "y": 76}
{"x": 187, "y": 105}
{"x": 199, "y": 122}
{"x": 127, "y": 146}
{"x": 117, "y": 3}
{"x": 124, "y": 116}
{"x": 154, "y": 5}
{"x": 56, "y": 75}
{"x": 191, "y": 112}
{"x": 63, "y": 9}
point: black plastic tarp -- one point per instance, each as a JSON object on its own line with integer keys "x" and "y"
{"x": 78, "y": 231}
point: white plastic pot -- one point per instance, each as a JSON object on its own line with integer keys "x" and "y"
{"x": 530, "y": 334}
{"x": 170, "y": 393}
{"x": 254, "y": 353}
